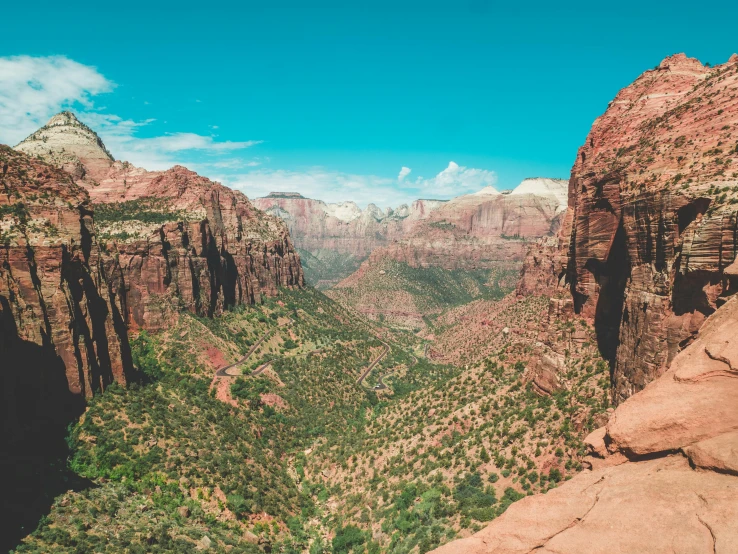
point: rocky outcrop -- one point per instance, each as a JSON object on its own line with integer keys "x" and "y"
{"x": 335, "y": 238}
{"x": 68, "y": 143}
{"x": 63, "y": 300}
{"x": 649, "y": 237}
{"x": 178, "y": 239}
{"x": 664, "y": 468}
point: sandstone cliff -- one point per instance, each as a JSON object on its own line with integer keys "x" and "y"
{"x": 63, "y": 300}
{"x": 179, "y": 239}
{"x": 335, "y": 238}
{"x": 664, "y": 475}
{"x": 344, "y": 227}
{"x": 648, "y": 241}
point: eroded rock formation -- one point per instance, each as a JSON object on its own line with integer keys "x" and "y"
{"x": 179, "y": 239}
{"x": 88, "y": 254}
{"x": 648, "y": 242}
{"x": 63, "y": 300}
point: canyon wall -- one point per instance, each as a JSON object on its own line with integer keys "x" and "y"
{"x": 63, "y": 300}
{"x": 100, "y": 247}
{"x": 482, "y": 230}
{"x": 648, "y": 242}
{"x": 342, "y": 227}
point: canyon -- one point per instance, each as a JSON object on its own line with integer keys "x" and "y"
{"x": 556, "y": 361}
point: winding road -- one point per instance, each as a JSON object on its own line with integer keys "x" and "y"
{"x": 374, "y": 363}
{"x": 381, "y": 385}
{"x": 223, "y": 371}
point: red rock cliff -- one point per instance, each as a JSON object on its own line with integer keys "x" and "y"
{"x": 179, "y": 239}
{"x": 63, "y": 301}
{"x": 650, "y": 231}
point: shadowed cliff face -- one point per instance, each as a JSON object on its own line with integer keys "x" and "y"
{"x": 72, "y": 284}
{"x": 62, "y": 336}
{"x": 650, "y": 232}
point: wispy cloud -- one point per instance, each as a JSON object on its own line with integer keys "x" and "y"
{"x": 404, "y": 172}
{"x": 32, "y": 89}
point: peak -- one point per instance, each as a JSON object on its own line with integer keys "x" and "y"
{"x": 487, "y": 191}
{"x": 67, "y": 142}
{"x": 733, "y": 59}
{"x": 681, "y": 62}
{"x": 63, "y": 118}
{"x": 544, "y": 186}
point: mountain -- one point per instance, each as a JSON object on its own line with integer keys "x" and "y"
{"x": 334, "y": 239}
{"x": 646, "y": 254}
{"x": 68, "y": 143}
{"x": 177, "y": 237}
{"x": 470, "y": 247}
{"x": 648, "y": 243}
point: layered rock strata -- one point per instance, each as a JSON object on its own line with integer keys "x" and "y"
{"x": 63, "y": 299}
{"x": 648, "y": 242}
{"x": 180, "y": 240}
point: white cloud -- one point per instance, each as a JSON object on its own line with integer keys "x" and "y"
{"x": 456, "y": 180}
{"x": 34, "y": 89}
{"x": 404, "y": 172}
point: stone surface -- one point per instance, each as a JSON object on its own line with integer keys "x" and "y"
{"x": 344, "y": 227}
{"x": 70, "y": 144}
{"x": 212, "y": 250}
{"x": 693, "y": 401}
{"x": 63, "y": 300}
{"x": 648, "y": 242}
{"x": 718, "y": 453}
{"x": 653, "y": 506}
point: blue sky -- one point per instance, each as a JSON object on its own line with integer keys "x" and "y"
{"x": 333, "y": 100}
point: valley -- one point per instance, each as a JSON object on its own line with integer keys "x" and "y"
{"x": 546, "y": 368}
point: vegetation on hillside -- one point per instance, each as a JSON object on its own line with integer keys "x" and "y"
{"x": 299, "y": 457}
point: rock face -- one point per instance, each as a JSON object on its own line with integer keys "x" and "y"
{"x": 483, "y": 229}
{"x": 664, "y": 468}
{"x": 648, "y": 242}
{"x": 179, "y": 239}
{"x": 63, "y": 300}
{"x": 335, "y": 238}
{"x": 73, "y": 283}
{"x": 343, "y": 227}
